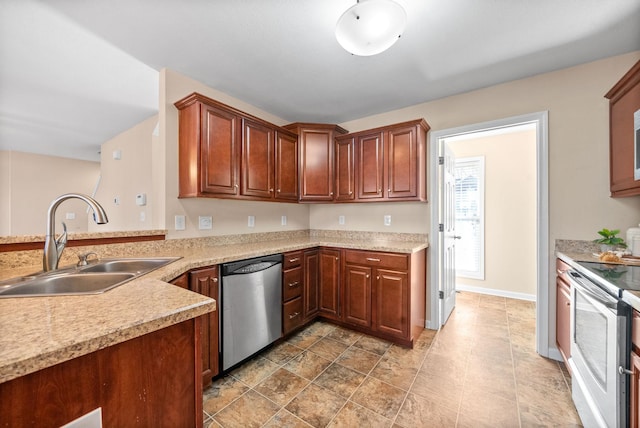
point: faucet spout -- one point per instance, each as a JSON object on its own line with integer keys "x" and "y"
{"x": 53, "y": 247}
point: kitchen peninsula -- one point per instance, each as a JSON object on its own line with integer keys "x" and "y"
{"x": 45, "y": 333}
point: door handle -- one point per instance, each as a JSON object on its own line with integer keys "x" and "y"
{"x": 457, "y": 237}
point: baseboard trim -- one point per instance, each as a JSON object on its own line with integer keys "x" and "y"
{"x": 494, "y": 292}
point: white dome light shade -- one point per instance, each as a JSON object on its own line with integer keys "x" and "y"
{"x": 371, "y": 26}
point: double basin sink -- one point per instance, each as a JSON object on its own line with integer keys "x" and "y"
{"x": 96, "y": 277}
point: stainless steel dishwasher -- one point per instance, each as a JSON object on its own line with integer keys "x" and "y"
{"x": 251, "y": 316}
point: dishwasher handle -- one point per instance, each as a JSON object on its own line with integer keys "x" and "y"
{"x": 251, "y": 268}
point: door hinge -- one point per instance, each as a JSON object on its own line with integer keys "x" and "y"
{"x": 441, "y": 294}
{"x": 441, "y": 160}
{"x": 441, "y": 227}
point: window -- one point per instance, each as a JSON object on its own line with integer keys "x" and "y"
{"x": 469, "y": 212}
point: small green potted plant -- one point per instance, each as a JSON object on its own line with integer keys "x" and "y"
{"x": 609, "y": 240}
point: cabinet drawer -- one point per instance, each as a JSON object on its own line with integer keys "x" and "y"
{"x": 292, "y": 315}
{"x": 292, "y": 259}
{"x": 372, "y": 258}
{"x": 561, "y": 267}
{"x": 292, "y": 283}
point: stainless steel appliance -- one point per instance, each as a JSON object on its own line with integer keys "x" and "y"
{"x": 251, "y": 299}
{"x": 600, "y": 346}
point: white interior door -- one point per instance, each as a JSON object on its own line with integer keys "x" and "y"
{"x": 447, "y": 233}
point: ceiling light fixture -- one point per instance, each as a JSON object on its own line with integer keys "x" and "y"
{"x": 371, "y": 26}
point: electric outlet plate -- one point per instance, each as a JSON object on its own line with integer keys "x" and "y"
{"x": 180, "y": 222}
{"x": 251, "y": 221}
{"x": 340, "y": 219}
{"x": 205, "y": 222}
{"x": 387, "y": 220}
{"x": 283, "y": 220}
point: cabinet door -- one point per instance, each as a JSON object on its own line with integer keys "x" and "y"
{"x": 316, "y": 165}
{"x": 634, "y": 417}
{"x": 286, "y": 172}
{"x": 205, "y": 281}
{"x": 310, "y": 293}
{"x": 257, "y": 159}
{"x": 357, "y": 295}
{"x": 563, "y": 318}
{"x": 182, "y": 281}
{"x": 391, "y": 314}
{"x": 329, "y": 286}
{"x": 402, "y": 163}
{"x": 219, "y": 151}
{"x": 345, "y": 169}
{"x": 370, "y": 166}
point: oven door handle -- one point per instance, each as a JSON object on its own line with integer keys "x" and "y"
{"x": 593, "y": 291}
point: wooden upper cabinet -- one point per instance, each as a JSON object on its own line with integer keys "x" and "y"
{"x": 370, "y": 165}
{"x": 624, "y": 100}
{"x": 286, "y": 168}
{"x": 316, "y": 159}
{"x": 391, "y": 162}
{"x": 226, "y": 153}
{"x": 257, "y": 159}
{"x": 345, "y": 169}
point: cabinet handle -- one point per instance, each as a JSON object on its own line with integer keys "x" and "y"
{"x": 293, "y": 284}
{"x": 295, "y": 259}
{"x": 371, "y": 259}
{"x": 293, "y": 315}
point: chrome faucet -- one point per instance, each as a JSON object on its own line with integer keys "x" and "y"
{"x": 53, "y": 247}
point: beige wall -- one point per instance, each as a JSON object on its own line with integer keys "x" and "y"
{"x": 34, "y": 181}
{"x": 5, "y": 193}
{"x": 229, "y": 216}
{"x": 125, "y": 178}
{"x": 510, "y": 211}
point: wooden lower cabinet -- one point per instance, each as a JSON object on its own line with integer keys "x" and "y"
{"x": 311, "y": 293}
{"x": 329, "y": 283}
{"x": 563, "y": 312}
{"x": 292, "y": 291}
{"x": 357, "y": 295}
{"x": 150, "y": 381}
{"x": 391, "y": 314}
{"x": 205, "y": 281}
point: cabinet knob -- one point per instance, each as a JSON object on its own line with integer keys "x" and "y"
{"x": 367, "y": 275}
{"x": 278, "y": 190}
{"x": 337, "y": 259}
{"x": 270, "y": 190}
{"x": 350, "y": 192}
{"x": 378, "y": 277}
{"x": 330, "y": 193}
{"x": 215, "y": 279}
{"x": 379, "y": 190}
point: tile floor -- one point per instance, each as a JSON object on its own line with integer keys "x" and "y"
{"x": 480, "y": 370}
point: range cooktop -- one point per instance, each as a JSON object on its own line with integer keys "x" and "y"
{"x": 624, "y": 277}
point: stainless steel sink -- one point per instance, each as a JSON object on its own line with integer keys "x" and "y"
{"x": 128, "y": 265}
{"x": 75, "y": 283}
{"x": 94, "y": 278}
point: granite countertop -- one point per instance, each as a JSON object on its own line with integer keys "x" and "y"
{"x": 38, "y": 332}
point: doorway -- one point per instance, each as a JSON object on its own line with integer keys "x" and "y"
{"x": 436, "y": 314}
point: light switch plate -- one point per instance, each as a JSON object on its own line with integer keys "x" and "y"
{"x": 340, "y": 219}
{"x": 387, "y": 220}
{"x": 180, "y": 222}
{"x": 205, "y": 222}
{"x": 251, "y": 221}
{"x": 283, "y": 220}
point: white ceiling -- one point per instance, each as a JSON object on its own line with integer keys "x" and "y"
{"x": 73, "y": 73}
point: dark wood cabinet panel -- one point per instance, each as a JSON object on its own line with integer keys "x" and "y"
{"x": 205, "y": 281}
{"x": 357, "y": 295}
{"x": 345, "y": 169}
{"x": 624, "y": 100}
{"x": 286, "y": 167}
{"x": 311, "y": 278}
{"x": 370, "y": 165}
{"x": 226, "y": 153}
{"x": 182, "y": 281}
{"x": 634, "y": 410}
{"x": 293, "y": 283}
{"x": 152, "y": 380}
{"x": 403, "y": 162}
{"x": 329, "y": 283}
{"x": 292, "y": 315}
{"x": 563, "y": 319}
{"x": 391, "y": 315}
{"x": 257, "y": 160}
{"x": 316, "y": 159}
